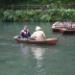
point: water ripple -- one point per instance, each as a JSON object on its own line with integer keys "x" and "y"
{"x": 8, "y": 44}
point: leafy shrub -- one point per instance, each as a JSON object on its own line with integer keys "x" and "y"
{"x": 39, "y": 15}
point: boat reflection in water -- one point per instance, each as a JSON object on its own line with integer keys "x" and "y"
{"x": 25, "y": 50}
{"x": 33, "y": 54}
{"x": 38, "y": 53}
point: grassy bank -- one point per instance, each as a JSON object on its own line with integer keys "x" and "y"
{"x": 38, "y": 15}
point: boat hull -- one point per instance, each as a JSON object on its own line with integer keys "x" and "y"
{"x": 50, "y": 41}
{"x": 66, "y": 31}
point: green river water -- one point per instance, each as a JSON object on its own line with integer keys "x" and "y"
{"x": 22, "y": 59}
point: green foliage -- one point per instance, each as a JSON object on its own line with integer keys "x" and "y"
{"x": 39, "y": 15}
{"x": 8, "y": 2}
{"x": 8, "y": 15}
{"x": 45, "y": 17}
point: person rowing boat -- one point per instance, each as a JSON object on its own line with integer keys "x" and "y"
{"x": 39, "y": 34}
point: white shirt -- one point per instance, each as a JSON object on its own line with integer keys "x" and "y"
{"x": 38, "y": 35}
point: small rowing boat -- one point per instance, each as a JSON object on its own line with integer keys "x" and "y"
{"x": 50, "y": 41}
{"x": 64, "y": 27}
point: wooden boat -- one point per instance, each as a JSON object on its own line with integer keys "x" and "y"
{"x": 49, "y": 41}
{"x": 67, "y": 31}
{"x": 64, "y": 27}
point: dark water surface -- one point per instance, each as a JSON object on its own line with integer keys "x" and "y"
{"x": 22, "y": 59}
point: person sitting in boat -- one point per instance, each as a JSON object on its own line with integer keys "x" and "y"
{"x": 25, "y": 32}
{"x": 38, "y": 35}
